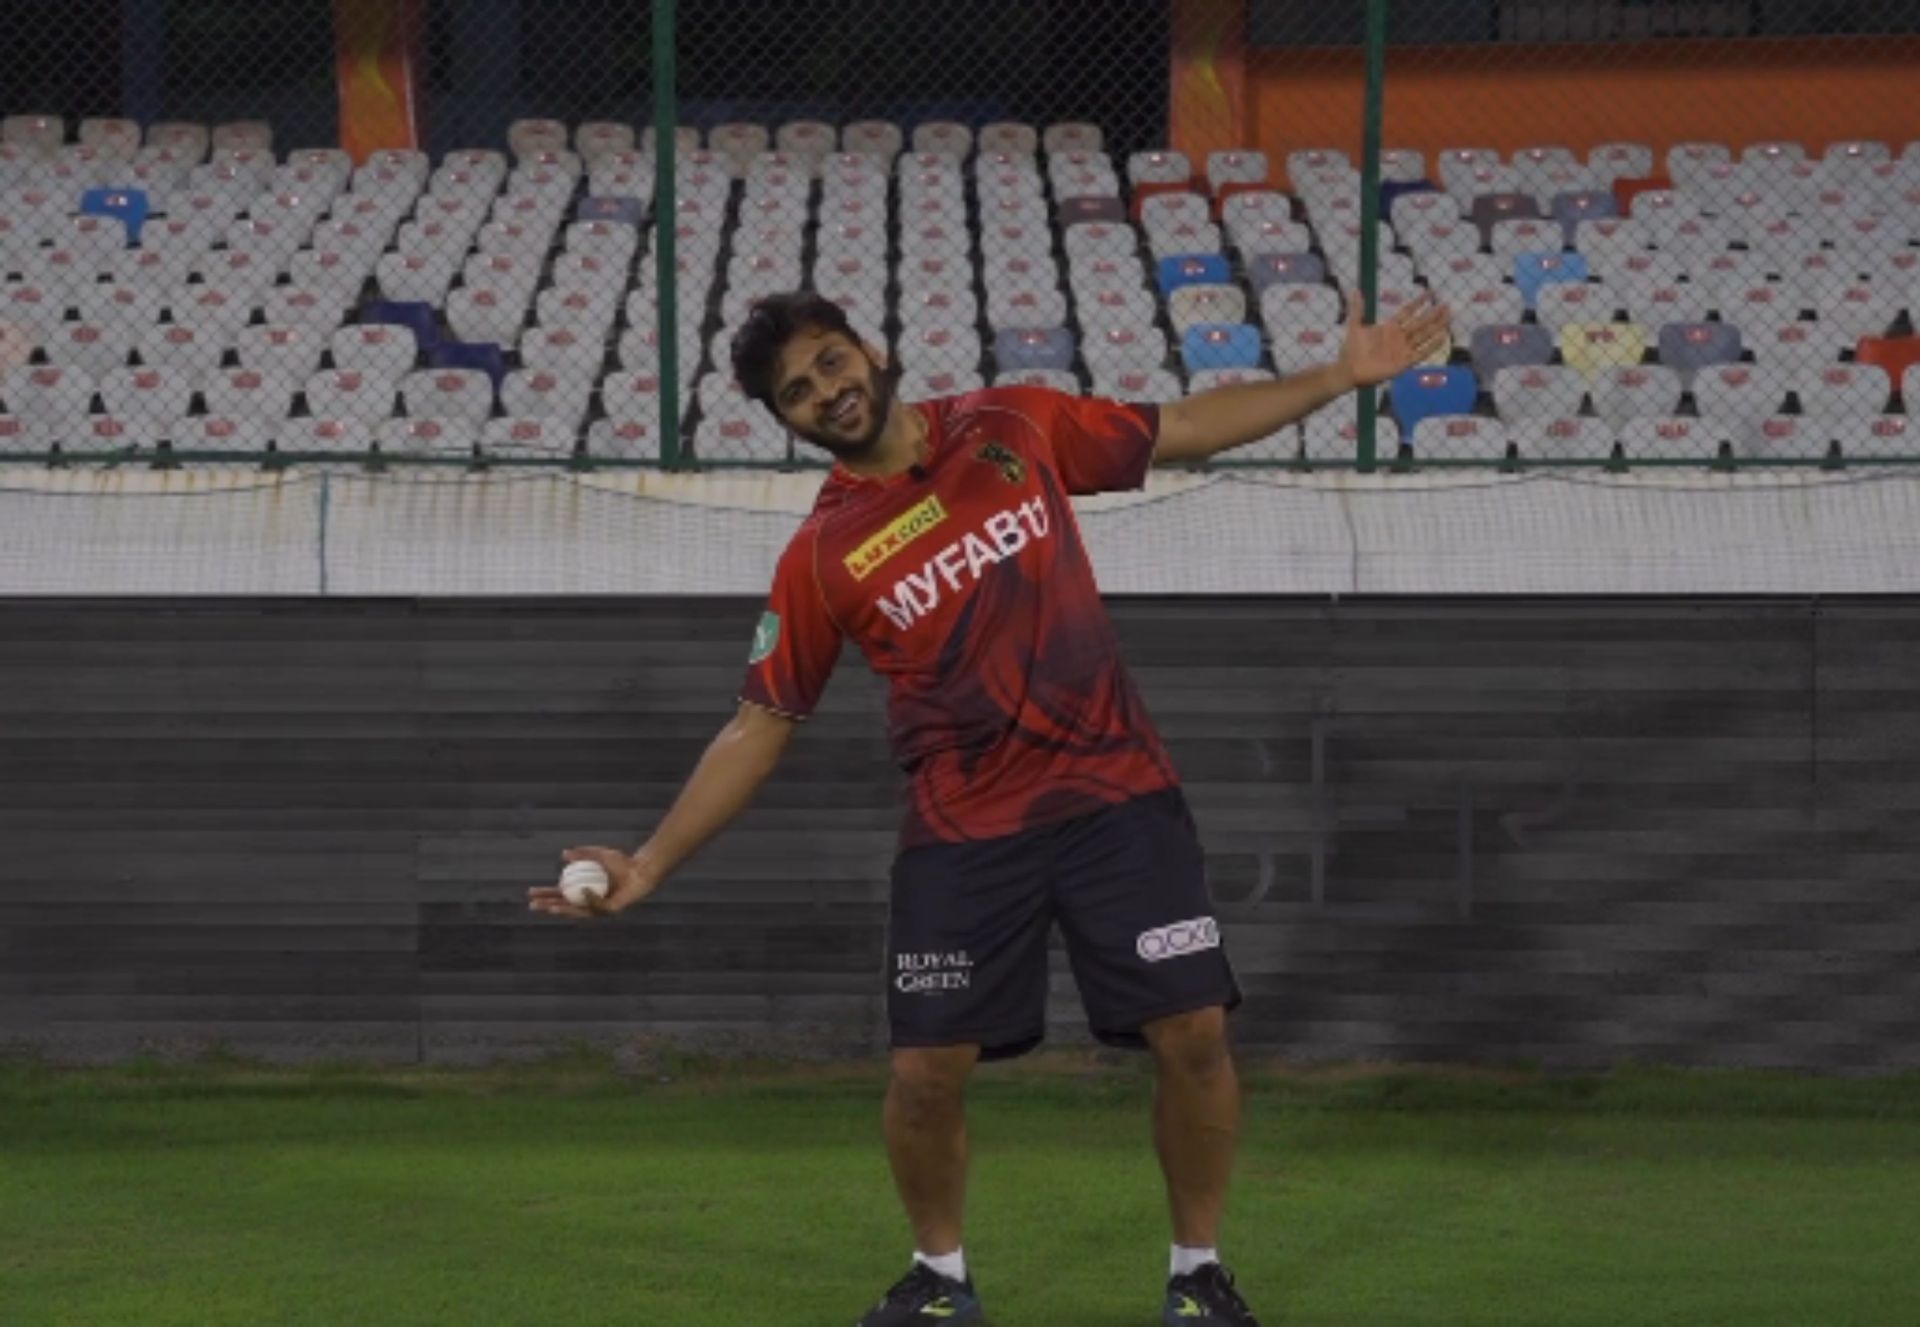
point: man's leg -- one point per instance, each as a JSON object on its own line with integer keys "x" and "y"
{"x": 926, "y": 1127}
{"x": 1196, "y": 1119}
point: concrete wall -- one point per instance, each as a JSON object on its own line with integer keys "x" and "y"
{"x": 1566, "y": 831}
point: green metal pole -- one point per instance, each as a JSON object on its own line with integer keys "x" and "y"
{"x": 666, "y": 213}
{"x": 1370, "y": 210}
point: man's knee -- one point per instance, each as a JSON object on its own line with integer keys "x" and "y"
{"x": 929, "y": 1080}
{"x": 1192, "y": 1044}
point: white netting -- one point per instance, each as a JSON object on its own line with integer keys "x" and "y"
{"x": 64, "y": 532}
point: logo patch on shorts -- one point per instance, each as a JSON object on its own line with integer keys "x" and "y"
{"x": 931, "y": 974}
{"x": 1178, "y": 939}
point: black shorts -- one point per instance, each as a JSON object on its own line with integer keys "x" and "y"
{"x": 967, "y": 941}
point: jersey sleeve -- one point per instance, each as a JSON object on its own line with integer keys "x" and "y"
{"x": 796, "y": 642}
{"x": 1103, "y": 446}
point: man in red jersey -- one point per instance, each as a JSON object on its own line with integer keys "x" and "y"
{"x": 944, "y": 546}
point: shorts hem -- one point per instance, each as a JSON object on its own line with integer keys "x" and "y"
{"x": 999, "y": 1044}
{"x": 1126, "y": 1033}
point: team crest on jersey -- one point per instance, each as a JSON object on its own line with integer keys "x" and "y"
{"x": 903, "y": 530}
{"x": 766, "y": 637}
{"x": 1012, "y": 468}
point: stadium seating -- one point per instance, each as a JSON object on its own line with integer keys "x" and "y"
{"x": 1424, "y": 392}
{"x": 1537, "y": 391}
{"x": 1568, "y": 438}
{"x": 1460, "y": 438}
{"x": 264, "y": 281}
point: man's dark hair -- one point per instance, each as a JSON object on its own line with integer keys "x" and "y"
{"x": 770, "y": 323}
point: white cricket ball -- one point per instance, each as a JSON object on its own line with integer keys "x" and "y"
{"x": 583, "y": 881}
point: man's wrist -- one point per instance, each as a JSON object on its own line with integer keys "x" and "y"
{"x": 647, "y": 866}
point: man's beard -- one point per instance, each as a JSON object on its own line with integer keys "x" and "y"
{"x": 881, "y": 387}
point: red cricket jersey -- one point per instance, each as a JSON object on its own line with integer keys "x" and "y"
{"x": 967, "y": 586}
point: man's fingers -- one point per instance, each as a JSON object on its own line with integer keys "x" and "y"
{"x": 546, "y": 898}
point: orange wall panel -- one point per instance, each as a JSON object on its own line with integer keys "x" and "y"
{"x": 1510, "y": 97}
{"x": 378, "y": 42}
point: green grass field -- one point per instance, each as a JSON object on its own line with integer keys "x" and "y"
{"x": 572, "y": 1194}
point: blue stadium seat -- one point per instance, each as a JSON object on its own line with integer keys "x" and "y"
{"x": 1193, "y": 269}
{"x": 1032, "y": 348}
{"x": 420, "y": 319}
{"x": 616, "y": 207}
{"x": 1690, "y": 347}
{"x": 130, "y": 207}
{"x": 1090, "y": 207}
{"x": 1489, "y": 210}
{"x": 1221, "y": 346}
{"x": 1424, "y": 392}
{"x": 1531, "y": 271}
{"x": 1589, "y": 205}
{"x": 482, "y": 355}
{"x": 1510, "y": 346}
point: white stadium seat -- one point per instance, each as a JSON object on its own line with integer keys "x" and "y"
{"x": 46, "y": 397}
{"x": 148, "y": 394}
{"x": 333, "y": 394}
{"x": 1673, "y": 437}
{"x": 1295, "y": 349}
{"x": 1146, "y": 386}
{"x": 925, "y": 386}
{"x": 379, "y": 350}
{"x": 191, "y": 351}
{"x": 486, "y": 314}
{"x": 89, "y": 347}
{"x": 461, "y": 394}
{"x": 540, "y": 394}
{"x": 426, "y": 436}
{"x": 1844, "y": 389}
{"x": 1569, "y": 438}
{"x": 526, "y": 439}
{"x": 280, "y": 350}
{"x": 1460, "y": 437}
{"x": 1119, "y": 349}
{"x": 1743, "y": 393}
{"x": 1636, "y": 391}
{"x": 248, "y": 394}
{"x": 1537, "y": 392}
{"x": 741, "y": 436}
{"x": 1059, "y": 380}
{"x": 1333, "y": 434}
{"x": 213, "y": 432}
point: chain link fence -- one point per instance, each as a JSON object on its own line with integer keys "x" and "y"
{"x": 1669, "y": 232}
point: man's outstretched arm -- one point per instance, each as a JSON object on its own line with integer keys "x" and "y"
{"x": 1202, "y": 426}
{"x": 736, "y": 763}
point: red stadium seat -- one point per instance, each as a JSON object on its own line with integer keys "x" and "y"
{"x": 1627, "y": 189}
{"x": 1150, "y": 188}
{"x": 1895, "y": 354}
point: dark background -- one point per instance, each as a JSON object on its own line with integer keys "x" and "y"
{"x": 489, "y": 62}
{"x": 1495, "y": 830}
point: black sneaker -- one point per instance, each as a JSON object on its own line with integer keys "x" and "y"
{"x": 1206, "y": 1298}
{"x": 924, "y": 1298}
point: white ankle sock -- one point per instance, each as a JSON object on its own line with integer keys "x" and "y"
{"x": 953, "y": 1265}
{"x": 1188, "y": 1261}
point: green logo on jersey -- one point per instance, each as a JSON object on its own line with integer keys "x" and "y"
{"x": 766, "y": 637}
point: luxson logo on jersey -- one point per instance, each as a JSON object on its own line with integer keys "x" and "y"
{"x": 1000, "y": 537}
